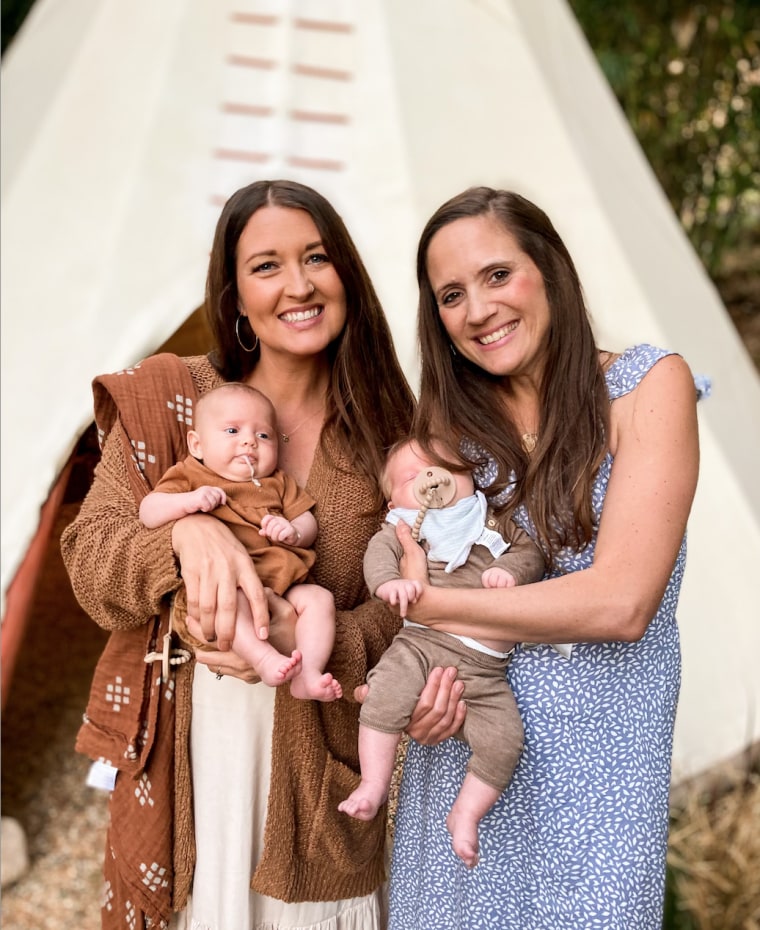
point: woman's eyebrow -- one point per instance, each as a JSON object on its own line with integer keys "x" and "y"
{"x": 268, "y": 253}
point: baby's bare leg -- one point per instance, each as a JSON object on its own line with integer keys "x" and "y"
{"x": 272, "y": 667}
{"x": 315, "y": 635}
{"x": 473, "y": 802}
{"x": 282, "y": 623}
{"x": 377, "y": 756}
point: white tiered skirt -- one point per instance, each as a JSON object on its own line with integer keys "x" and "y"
{"x": 231, "y": 735}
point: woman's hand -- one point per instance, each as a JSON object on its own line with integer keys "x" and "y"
{"x": 440, "y": 710}
{"x": 413, "y": 563}
{"x": 282, "y": 634}
{"x": 214, "y": 565}
{"x": 227, "y": 664}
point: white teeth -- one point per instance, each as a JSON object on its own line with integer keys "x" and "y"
{"x": 298, "y": 316}
{"x": 499, "y": 334}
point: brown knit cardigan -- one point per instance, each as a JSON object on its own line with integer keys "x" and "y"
{"x": 123, "y": 576}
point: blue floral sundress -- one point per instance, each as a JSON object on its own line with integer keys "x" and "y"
{"x": 578, "y": 840}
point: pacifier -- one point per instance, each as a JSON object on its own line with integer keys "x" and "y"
{"x": 434, "y": 488}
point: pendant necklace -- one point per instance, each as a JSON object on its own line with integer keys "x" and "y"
{"x": 286, "y": 436}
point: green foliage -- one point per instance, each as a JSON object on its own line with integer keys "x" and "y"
{"x": 687, "y": 76}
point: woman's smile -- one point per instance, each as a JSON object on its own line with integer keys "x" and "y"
{"x": 497, "y": 334}
{"x": 302, "y": 315}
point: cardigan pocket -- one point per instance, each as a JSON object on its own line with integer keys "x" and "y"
{"x": 349, "y": 844}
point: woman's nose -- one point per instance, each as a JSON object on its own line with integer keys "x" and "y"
{"x": 299, "y": 285}
{"x": 479, "y": 309}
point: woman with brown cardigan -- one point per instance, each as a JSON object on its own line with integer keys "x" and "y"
{"x": 224, "y": 785}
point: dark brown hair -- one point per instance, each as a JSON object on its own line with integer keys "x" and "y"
{"x": 458, "y": 399}
{"x": 369, "y": 400}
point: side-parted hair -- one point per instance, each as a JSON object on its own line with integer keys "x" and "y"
{"x": 460, "y": 400}
{"x": 369, "y": 400}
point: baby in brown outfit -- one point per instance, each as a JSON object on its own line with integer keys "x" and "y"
{"x": 232, "y": 472}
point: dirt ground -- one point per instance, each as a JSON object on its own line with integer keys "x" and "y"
{"x": 43, "y": 779}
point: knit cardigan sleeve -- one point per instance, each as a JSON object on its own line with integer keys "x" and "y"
{"x": 120, "y": 571}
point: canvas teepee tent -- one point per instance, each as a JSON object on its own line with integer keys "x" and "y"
{"x": 125, "y": 126}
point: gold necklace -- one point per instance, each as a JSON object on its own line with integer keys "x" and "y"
{"x": 286, "y": 436}
{"x": 529, "y": 441}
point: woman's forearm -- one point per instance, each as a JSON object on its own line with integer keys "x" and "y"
{"x": 579, "y": 607}
{"x": 120, "y": 571}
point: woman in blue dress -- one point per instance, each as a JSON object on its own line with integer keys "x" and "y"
{"x": 596, "y": 455}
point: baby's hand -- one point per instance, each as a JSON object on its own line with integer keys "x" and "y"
{"x": 399, "y": 593}
{"x": 206, "y": 498}
{"x": 495, "y": 577}
{"x": 278, "y": 529}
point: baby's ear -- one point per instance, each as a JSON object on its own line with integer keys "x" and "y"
{"x": 390, "y": 505}
{"x": 194, "y": 444}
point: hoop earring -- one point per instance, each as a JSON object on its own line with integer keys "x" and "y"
{"x": 240, "y": 341}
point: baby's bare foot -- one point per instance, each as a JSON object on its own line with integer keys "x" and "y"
{"x": 312, "y": 685}
{"x": 360, "y": 804}
{"x": 464, "y": 837}
{"x": 275, "y": 669}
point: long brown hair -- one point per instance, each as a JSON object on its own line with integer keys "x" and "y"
{"x": 460, "y": 400}
{"x": 369, "y": 401}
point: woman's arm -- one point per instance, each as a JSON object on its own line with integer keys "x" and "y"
{"x": 655, "y": 444}
{"x": 120, "y": 570}
{"x": 214, "y": 564}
